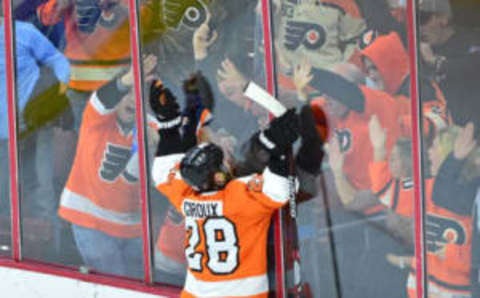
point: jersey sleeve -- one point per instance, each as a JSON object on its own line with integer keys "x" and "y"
{"x": 50, "y": 13}
{"x": 261, "y": 193}
{"x": 95, "y": 114}
{"x": 167, "y": 179}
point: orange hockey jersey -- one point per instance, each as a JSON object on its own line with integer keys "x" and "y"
{"x": 352, "y": 131}
{"x": 99, "y": 193}
{"x": 226, "y": 230}
{"x": 448, "y": 245}
{"x": 396, "y": 194}
{"x": 99, "y": 49}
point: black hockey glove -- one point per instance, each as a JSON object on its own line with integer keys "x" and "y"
{"x": 277, "y": 139}
{"x": 281, "y": 133}
{"x": 163, "y": 102}
{"x": 310, "y": 154}
{"x": 167, "y": 112}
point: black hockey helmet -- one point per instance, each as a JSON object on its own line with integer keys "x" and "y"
{"x": 200, "y": 165}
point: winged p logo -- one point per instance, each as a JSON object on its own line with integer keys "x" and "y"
{"x": 311, "y": 35}
{"x": 115, "y": 159}
{"x": 442, "y": 230}
{"x": 190, "y": 13}
{"x": 344, "y": 139}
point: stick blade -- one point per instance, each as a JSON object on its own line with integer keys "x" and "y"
{"x": 263, "y": 98}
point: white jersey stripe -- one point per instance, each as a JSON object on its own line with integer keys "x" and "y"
{"x": 98, "y": 105}
{"x": 275, "y": 186}
{"x": 74, "y": 201}
{"x": 162, "y": 166}
{"x": 249, "y": 286}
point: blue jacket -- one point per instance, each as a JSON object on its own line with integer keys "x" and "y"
{"x": 32, "y": 50}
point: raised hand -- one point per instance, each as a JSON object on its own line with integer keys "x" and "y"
{"x": 302, "y": 77}
{"x": 203, "y": 38}
{"x": 229, "y": 74}
{"x": 378, "y": 138}
{"x": 164, "y": 104}
{"x": 378, "y": 135}
{"x": 335, "y": 156}
{"x": 149, "y": 64}
{"x": 465, "y": 142}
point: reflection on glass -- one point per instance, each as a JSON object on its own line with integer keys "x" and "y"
{"x": 345, "y": 66}
{"x": 80, "y": 203}
{"x": 449, "y": 58}
{"x": 223, "y": 41}
{"x": 5, "y": 219}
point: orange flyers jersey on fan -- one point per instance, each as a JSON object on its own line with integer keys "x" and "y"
{"x": 448, "y": 245}
{"x": 99, "y": 52}
{"x": 353, "y": 135}
{"x": 99, "y": 193}
{"x": 396, "y": 194}
{"x": 226, "y": 230}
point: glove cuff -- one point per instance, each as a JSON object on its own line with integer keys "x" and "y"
{"x": 266, "y": 142}
{"x": 164, "y": 124}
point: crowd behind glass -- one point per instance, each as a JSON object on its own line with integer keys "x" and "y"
{"x": 343, "y": 64}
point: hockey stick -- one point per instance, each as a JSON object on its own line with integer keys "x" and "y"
{"x": 271, "y": 104}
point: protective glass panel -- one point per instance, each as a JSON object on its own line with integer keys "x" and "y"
{"x": 344, "y": 66}
{"x": 449, "y": 60}
{"x": 220, "y": 42}
{"x": 5, "y": 213}
{"x": 80, "y": 203}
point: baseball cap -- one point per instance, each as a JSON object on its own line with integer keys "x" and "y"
{"x": 436, "y": 6}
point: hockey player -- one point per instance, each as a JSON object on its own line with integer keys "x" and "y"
{"x": 169, "y": 257}
{"x": 226, "y": 219}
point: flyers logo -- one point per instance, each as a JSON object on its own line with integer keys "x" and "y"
{"x": 437, "y": 110}
{"x": 115, "y": 159}
{"x": 89, "y": 14}
{"x": 442, "y": 230}
{"x": 344, "y": 139}
{"x": 113, "y": 17}
{"x": 367, "y": 38}
{"x": 255, "y": 184}
{"x": 190, "y": 13}
{"x": 312, "y": 36}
